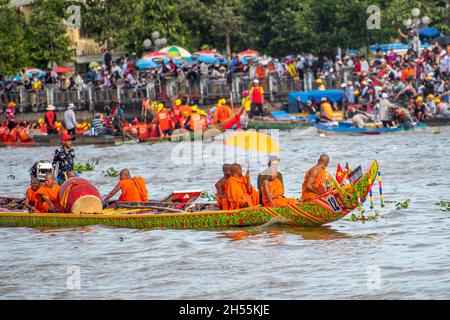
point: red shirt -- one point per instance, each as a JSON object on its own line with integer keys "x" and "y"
{"x": 50, "y": 117}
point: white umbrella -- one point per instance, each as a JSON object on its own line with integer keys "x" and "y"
{"x": 176, "y": 52}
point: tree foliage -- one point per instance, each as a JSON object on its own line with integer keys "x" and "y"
{"x": 13, "y": 54}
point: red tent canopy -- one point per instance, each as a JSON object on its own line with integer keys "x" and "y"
{"x": 62, "y": 70}
{"x": 155, "y": 54}
{"x": 249, "y": 52}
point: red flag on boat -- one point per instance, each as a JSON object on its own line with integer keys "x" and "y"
{"x": 340, "y": 174}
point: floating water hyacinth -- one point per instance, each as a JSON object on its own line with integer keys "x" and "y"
{"x": 444, "y": 205}
{"x": 110, "y": 172}
{"x": 402, "y": 205}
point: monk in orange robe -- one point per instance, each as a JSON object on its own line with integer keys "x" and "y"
{"x": 33, "y": 200}
{"x": 314, "y": 184}
{"x": 133, "y": 189}
{"x": 273, "y": 191}
{"x": 240, "y": 192}
{"x": 50, "y": 194}
{"x": 221, "y": 187}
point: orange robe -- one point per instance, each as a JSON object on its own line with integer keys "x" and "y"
{"x": 133, "y": 190}
{"x": 53, "y": 195}
{"x": 34, "y": 199}
{"x": 237, "y": 194}
{"x": 223, "y": 203}
{"x": 276, "y": 190}
{"x": 319, "y": 181}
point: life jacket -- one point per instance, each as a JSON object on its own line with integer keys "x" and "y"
{"x": 197, "y": 122}
{"x": 164, "y": 119}
{"x": 400, "y": 112}
{"x": 14, "y": 135}
{"x": 184, "y": 109}
{"x": 23, "y": 135}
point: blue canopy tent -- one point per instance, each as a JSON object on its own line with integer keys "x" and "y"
{"x": 146, "y": 63}
{"x": 294, "y": 98}
{"x": 429, "y": 33}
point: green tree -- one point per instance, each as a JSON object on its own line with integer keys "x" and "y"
{"x": 13, "y": 53}
{"x": 125, "y": 24}
{"x": 46, "y": 39}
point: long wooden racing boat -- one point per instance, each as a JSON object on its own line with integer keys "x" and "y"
{"x": 81, "y": 140}
{"x": 327, "y": 208}
{"x": 269, "y": 123}
{"x": 437, "y": 122}
{"x": 347, "y": 128}
{"x": 4, "y": 144}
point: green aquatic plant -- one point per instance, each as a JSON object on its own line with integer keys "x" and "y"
{"x": 372, "y": 217}
{"x": 110, "y": 172}
{"x": 11, "y": 177}
{"x": 431, "y": 184}
{"x": 438, "y": 131}
{"x": 402, "y": 205}
{"x": 444, "y": 205}
{"x": 88, "y": 166}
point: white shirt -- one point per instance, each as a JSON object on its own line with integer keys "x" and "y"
{"x": 69, "y": 119}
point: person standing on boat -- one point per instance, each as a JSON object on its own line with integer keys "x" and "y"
{"x": 133, "y": 189}
{"x": 10, "y": 116}
{"x": 257, "y": 96}
{"x": 63, "y": 160}
{"x": 70, "y": 120}
{"x": 315, "y": 181}
{"x": 50, "y": 119}
{"x": 384, "y": 107}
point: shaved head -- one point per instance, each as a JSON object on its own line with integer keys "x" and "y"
{"x": 227, "y": 169}
{"x": 236, "y": 169}
{"x": 124, "y": 174}
{"x": 324, "y": 159}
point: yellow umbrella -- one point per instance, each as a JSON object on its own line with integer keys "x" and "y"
{"x": 253, "y": 141}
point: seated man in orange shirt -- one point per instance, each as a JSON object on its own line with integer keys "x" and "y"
{"x": 50, "y": 194}
{"x": 33, "y": 200}
{"x": 133, "y": 189}
{"x": 314, "y": 184}
{"x": 240, "y": 192}
{"x": 273, "y": 191}
{"x": 221, "y": 187}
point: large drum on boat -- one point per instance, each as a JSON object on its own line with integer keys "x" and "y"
{"x": 78, "y": 195}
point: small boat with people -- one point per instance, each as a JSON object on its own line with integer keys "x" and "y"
{"x": 80, "y": 204}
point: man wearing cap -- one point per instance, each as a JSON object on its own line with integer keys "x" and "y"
{"x": 63, "y": 160}
{"x": 257, "y": 96}
{"x": 70, "y": 120}
{"x": 50, "y": 119}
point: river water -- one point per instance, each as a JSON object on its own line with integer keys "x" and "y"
{"x": 403, "y": 255}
